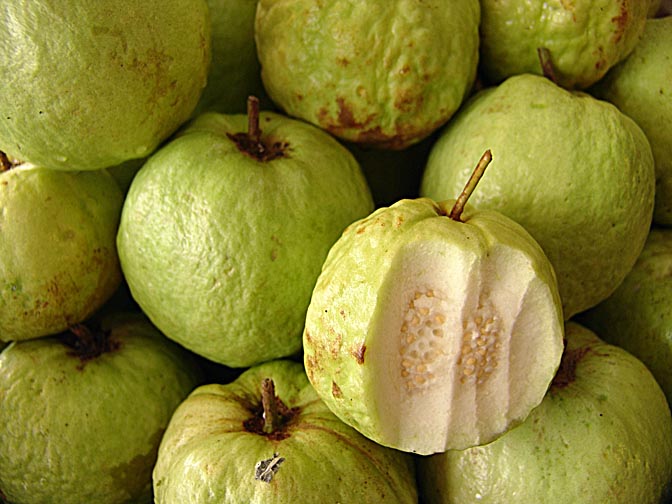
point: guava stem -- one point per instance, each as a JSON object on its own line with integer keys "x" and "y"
{"x": 84, "y": 334}
{"x": 458, "y": 207}
{"x": 270, "y": 405}
{"x": 253, "y": 130}
{"x": 5, "y": 163}
{"x": 547, "y": 64}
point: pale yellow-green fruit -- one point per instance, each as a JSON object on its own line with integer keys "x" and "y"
{"x": 585, "y": 37}
{"x": 58, "y": 257}
{"x": 603, "y": 434}
{"x": 573, "y": 170}
{"x": 427, "y": 333}
{"x": 89, "y": 84}
{"x": 641, "y": 87}
{"x": 235, "y": 72}
{"x": 637, "y": 316}
{"x": 81, "y": 422}
{"x": 382, "y": 72}
{"x": 221, "y": 247}
{"x": 215, "y": 446}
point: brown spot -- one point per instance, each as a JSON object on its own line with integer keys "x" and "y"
{"x": 342, "y": 62}
{"x": 342, "y": 312}
{"x": 336, "y": 390}
{"x": 567, "y": 371}
{"x": 345, "y": 116}
{"x": 359, "y": 354}
{"x": 274, "y": 255}
{"x": 621, "y": 21}
{"x": 361, "y": 229}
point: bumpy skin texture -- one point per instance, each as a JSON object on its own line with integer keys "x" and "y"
{"x": 383, "y": 72}
{"x": 58, "y": 257}
{"x": 222, "y": 250}
{"x": 604, "y": 435}
{"x": 573, "y": 170}
{"x": 207, "y": 456}
{"x": 88, "y": 430}
{"x": 585, "y": 37}
{"x": 344, "y": 353}
{"x": 88, "y": 85}
{"x": 637, "y": 316}
{"x": 235, "y": 72}
{"x": 641, "y": 87}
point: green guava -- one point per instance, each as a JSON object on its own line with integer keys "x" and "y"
{"x": 83, "y": 412}
{"x": 267, "y": 438}
{"x": 585, "y": 38}
{"x": 603, "y": 433}
{"x": 637, "y": 315}
{"x": 573, "y": 170}
{"x": 223, "y": 233}
{"x": 87, "y": 85}
{"x": 641, "y": 87}
{"x": 384, "y": 73}
{"x": 426, "y": 333}
{"x": 235, "y": 72}
{"x": 58, "y": 258}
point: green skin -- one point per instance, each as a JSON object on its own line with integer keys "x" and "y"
{"x": 641, "y": 87}
{"x": 585, "y": 37}
{"x": 637, "y": 316}
{"x": 81, "y": 430}
{"x": 566, "y": 166}
{"x": 58, "y": 258}
{"x": 208, "y": 456}
{"x": 602, "y": 434}
{"x": 235, "y": 72}
{"x": 222, "y": 250}
{"x": 349, "y": 301}
{"x": 88, "y": 85}
{"x": 384, "y": 73}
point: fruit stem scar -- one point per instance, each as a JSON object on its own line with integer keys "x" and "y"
{"x": 250, "y": 143}
{"x": 270, "y": 405}
{"x": 547, "y": 64}
{"x": 458, "y": 207}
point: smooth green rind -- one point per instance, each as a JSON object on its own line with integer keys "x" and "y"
{"x": 573, "y": 170}
{"x": 604, "y": 437}
{"x": 637, "y": 315}
{"x": 79, "y": 431}
{"x": 342, "y": 349}
{"x": 235, "y": 72}
{"x": 58, "y": 258}
{"x": 384, "y": 73}
{"x": 207, "y": 456}
{"x": 88, "y": 85}
{"x": 221, "y": 250}
{"x": 641, "y": 87}
{"x": 585, "y": 38}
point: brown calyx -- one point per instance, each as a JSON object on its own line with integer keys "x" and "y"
{"x": 252, "y": 143}
{"x": 87, "y": 343}
{"x": 272, "y": 417}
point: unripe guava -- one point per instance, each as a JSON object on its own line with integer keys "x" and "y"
{"x": 58, "y": 257}
{"x": 91, "y": 84}
{"x": 426, "y": 333}
{"x": 384, "y": 73}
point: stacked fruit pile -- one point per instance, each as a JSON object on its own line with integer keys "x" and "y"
{"x": 258, "y": 251}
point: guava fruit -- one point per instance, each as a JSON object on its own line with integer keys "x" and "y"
{"x": 83, "y": 412}
{"x": 641, "y": 87}
{"x": 603, "y": 433}
{"x": 58, "y": 257}
{"x": 235, "y": 72}
{"x": 573, "y": 170}
{"x": 384, "y": 73}
{"x": 267, "y": 438}
{"x": 88, "y": 85}
{"x": 637, "y": 315}
{"x": 426, "y": 332}
{"x": 225, "y": 228}
{"x": 584, "y": 37}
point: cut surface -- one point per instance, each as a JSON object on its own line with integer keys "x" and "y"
{"x": 464, "y": 346}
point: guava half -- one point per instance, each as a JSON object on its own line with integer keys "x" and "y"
{"x": 425, "y": 333}
{"x": 603, "y": 434}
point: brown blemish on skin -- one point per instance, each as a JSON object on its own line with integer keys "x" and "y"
{"x": 344, "y": 62}
{"x": 621, "y": 21}
{"x": 336, "y": 390}
{"x": 359, "y": 354}
{"x": 566, "y": 374}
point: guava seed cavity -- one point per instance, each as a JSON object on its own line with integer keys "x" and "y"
{"x": 478, "y": 356}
